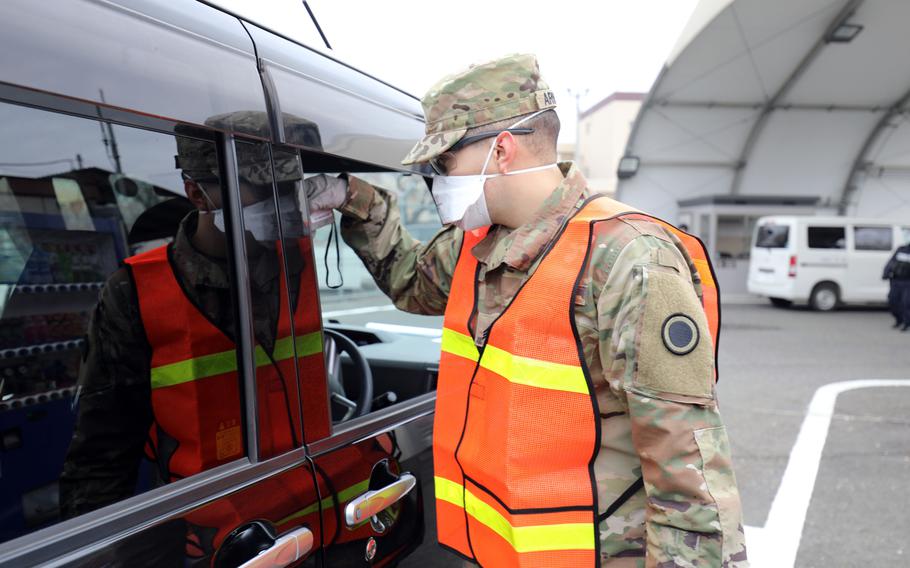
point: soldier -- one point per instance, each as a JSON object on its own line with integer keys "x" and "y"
{"x": 143, "y": 390}
{"x": 576, "y": 419}
{"x": 897, "y": 272}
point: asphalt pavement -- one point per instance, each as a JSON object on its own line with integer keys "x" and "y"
{"x": 772, "y": 362}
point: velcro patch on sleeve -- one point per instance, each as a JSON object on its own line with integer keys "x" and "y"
{"x": 675, "y": 353}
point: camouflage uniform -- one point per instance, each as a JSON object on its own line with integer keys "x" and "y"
{"x": 114, "y": 404}
{"x": 658, "y": 409}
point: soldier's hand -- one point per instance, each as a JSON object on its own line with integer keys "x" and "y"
{"x": 325, "y": 193}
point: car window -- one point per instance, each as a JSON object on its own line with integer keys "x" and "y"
{"x": 285, "y": 306}
{"x": 827, "y": 238}
{"x": 401, "y": 349}
{"x": 873, "y": 238}
{"x": 117, "y": 371}
{"x": 772, "y": 235}
{"x": 905, "y": 232}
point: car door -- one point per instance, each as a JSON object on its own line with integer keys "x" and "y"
{"x": 373, "y": 461}
{"x": 79, "y": 382}
{"x": 823, "y": 258}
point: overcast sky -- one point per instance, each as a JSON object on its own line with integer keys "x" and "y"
{"x": 595, "y": 46}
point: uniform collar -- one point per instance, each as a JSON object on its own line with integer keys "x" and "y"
{"x": 520, "y": 248}
{"x": 199, "y": 269}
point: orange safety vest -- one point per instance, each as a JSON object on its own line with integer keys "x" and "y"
{"x": 196, "y": 388}
{"x": 516, "y": 427}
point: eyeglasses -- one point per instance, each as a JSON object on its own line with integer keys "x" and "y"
{"x": 445, "y": 162}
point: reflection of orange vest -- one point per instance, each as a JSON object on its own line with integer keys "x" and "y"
{"x": 516, "y": 427}
{"x": 195, "y": 384}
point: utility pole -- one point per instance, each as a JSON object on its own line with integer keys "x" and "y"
{"x": 107, "y": 136}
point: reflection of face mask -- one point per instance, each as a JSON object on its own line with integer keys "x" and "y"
{"x": 259, "y": 219}
{"x": 460, "y": 199}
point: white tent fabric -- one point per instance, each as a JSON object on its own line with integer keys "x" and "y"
{"x": 754, "y": 100}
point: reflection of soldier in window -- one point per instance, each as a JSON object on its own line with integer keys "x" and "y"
{"x": 159, "y": 376}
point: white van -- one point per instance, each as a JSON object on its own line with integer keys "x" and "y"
{"x": 825, "y": 261}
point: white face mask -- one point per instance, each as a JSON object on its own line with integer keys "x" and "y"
{"x": 460, "y": 199}
{"x": 259, "y": 219}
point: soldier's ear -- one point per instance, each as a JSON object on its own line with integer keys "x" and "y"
{"x": 505, "y": 152}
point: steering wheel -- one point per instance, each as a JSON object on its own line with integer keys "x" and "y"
{"x": 337, "y": 343}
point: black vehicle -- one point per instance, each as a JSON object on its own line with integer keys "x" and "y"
{"x": 96, "y": 98}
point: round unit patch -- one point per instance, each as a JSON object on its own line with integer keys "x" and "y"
{"x": 680, "y": 334}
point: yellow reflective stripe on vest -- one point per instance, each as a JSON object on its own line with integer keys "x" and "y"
{"x": 535, "y": 538}
{"x": 534, "y": 372}
{"x": 344, "y": 496}
{"x": 450, "y": 491}
{"x": 308, "y": 344}
{"x": 515, "y": 368}
{"x": 459, "y": 344}
{"x": 226, "y": 361}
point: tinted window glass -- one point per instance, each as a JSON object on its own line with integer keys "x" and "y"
{"x": 771, "y": 235}
{"x": 401, "y": 349}
{"x": 827, "y": 238}
{"x": 290, "y": 368}
{"x": 113, "y": 378}
{"x": 873, "y": 238}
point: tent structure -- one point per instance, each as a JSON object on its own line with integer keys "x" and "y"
{"x": 770, "y": 104}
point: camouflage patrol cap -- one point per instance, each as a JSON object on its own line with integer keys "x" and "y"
{"x": 197, "y": 158}
{"x": 482, "y": 94}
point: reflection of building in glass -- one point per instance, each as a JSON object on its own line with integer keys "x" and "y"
{"x": 60, "y": 237}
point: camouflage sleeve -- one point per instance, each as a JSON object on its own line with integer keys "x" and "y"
{"x": 114, "y": 405}
{"x": 660, "y": 359}
{"x": 417, "y": 277}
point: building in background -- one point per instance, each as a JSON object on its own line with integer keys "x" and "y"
{"x": 767, "y": 107}
{"x": 565, "y": 152}
{"x": 603, "y": 131}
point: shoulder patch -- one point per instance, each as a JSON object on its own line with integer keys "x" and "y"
{"x": 675, "y": 354}
{"x": 680, "y": 334}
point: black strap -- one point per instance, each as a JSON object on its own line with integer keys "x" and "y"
{"x": 333, "y": 235}
{"x": 621, "y": 500}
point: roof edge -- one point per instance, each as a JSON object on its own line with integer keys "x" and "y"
{"x": 617, "y": 96}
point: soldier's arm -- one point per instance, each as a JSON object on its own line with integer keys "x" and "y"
{"x": 114, "y": 405}
{"x": 417, "y": 277}
{"x": 889, "y": 267}
{"x": 659, "y": 357}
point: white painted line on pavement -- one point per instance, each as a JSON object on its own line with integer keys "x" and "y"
{"x": 405, "y": 329}
{"x": 358, "y": 311}
{"x": 776, "y": 544}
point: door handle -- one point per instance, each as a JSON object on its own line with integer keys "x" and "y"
{"x": 372, "y": 503}
{"x": 288, "y": 548}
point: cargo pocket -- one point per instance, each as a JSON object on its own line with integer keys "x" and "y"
{"x": 714, "y": 447}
